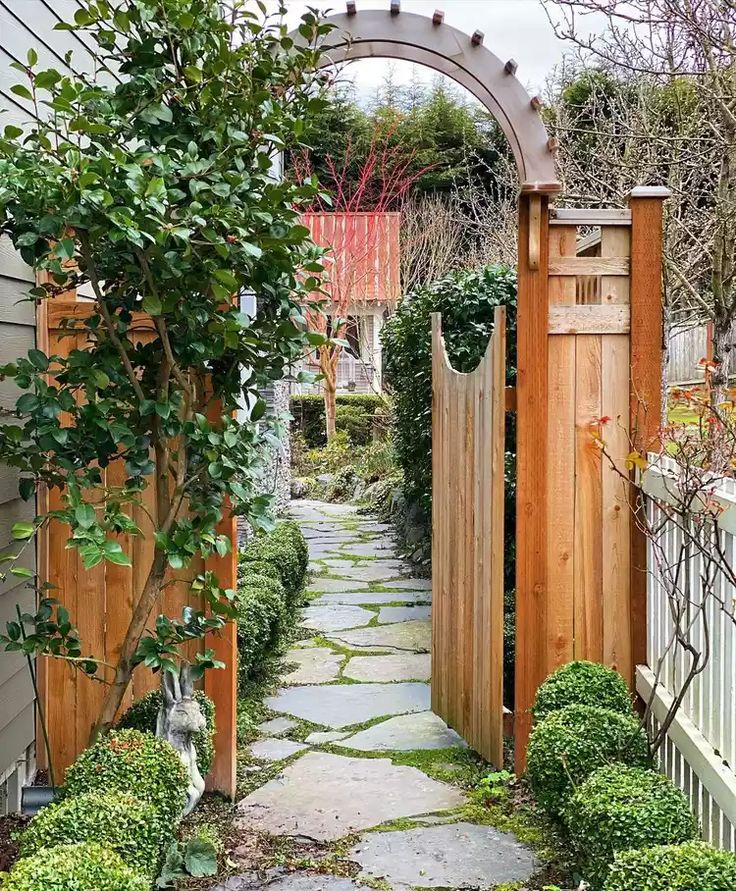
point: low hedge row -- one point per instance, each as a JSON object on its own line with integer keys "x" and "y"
{"x": 354, "y": 415}
{"x": 590, "y": 767}
{"x": 272, "y": 573}
{"x": 120, "y": 807}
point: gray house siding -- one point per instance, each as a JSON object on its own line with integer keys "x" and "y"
{"x": 23, "y": 24}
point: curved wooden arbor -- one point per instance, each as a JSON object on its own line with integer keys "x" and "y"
{"x": 589, "y": 345}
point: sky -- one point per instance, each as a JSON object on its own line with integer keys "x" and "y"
{"x": 518, "y": 29}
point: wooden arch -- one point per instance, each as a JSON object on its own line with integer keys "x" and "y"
{"x": 377, "y": 33}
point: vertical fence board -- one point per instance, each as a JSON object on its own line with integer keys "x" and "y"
{"x": 467, "y": 542}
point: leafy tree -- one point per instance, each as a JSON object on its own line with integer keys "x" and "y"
{"x": 156, "y": 192}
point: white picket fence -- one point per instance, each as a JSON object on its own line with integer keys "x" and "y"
{"x": 700, "y": 752}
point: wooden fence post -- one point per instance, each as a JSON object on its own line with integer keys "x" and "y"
{"x": 531, "y": 465}
{"x": 647, "y": 350}
{"x": 222, "y": 685}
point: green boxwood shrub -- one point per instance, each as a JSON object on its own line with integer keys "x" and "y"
{"x": 130, "y": 761}
{"x": 571, "y": 743}
{"x": 620, "y": 807}
{"x": 693, "y": 866}
{"x": 308, "y": 413}
{"x": 262, "y": 617}
{"x": 582, "y": 683}
{"x": 117, "y": 820}
{"x": 142, "y": 716}
{"x": 287, "y": 551}
{"x": 82, "y": 867}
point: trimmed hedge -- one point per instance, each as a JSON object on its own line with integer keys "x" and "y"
{"x": 354, "y": 415}
{"x": 571, "y": 743}
{"x": 272, "y": 573}
{"x": 130, "y": 761}
{"x": 618, "y": 808}
{"x": 693, "y": 866}
{"x": 119, "y": 821}
{"x": 143, "y": 714}
{"x": 582, "y": 683}
{"x": 82, "y": 867}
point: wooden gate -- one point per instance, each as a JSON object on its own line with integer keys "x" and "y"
{"x": 468, "y": 412}
{"x": 101, "y": 601}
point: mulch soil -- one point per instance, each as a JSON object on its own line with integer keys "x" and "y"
{"x": 10, "y": 829}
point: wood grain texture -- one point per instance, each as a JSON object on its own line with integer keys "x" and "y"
{"x": 467, "y": 542}
{"x": 589, "y": 319}
{"x": 531, "y": 488}
{"x": 589, "y": 266}
{"x": 646, "y": 378}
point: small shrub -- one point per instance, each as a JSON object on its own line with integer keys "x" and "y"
{"x": 342, "y": 485}
{"x": 582, "y": 683}
{"x": 257, "y": 567}
{"x": 308, "y": 413}
{"x": 693, "y": 866}
{"x": 130, "y": 761}
{"x": 620, "y": 807}
{"x": 142, "y": 716}
{"x": 261, "y": 620}
{"x": 286, "y": 550}
{"x": 356, "y": 421}
{"x": 571, "y": 743}
{"x": 82, "y": 867}
{"x": 116, "y": 820}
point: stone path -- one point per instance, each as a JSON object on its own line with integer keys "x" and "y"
{"x": 351, "y": 732}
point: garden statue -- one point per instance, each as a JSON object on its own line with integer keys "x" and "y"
{"x": 179, "y": 718}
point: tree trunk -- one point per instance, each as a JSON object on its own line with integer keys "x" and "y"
{"x": 719, "y": 377}
{"x": 124, "y": 671}
{"x": 330, "y": 395}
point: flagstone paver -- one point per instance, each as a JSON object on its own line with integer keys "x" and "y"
{"x": 393, "y": 667}
{"x": 404, "y": 733}
{"x": 413, "y": 636}
{"x": 341, "y": 705}
{"x": 324, "y": 796}
{"x": 315, "y": 665}
{"x": 335, "y": 618}
{"x": 389, "y": 614}
{"x": 458, "y": 855}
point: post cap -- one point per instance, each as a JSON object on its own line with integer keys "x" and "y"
{"x": 651, "y": 192}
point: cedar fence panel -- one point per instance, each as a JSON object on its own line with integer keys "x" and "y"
{"x": 101, "y": 602}
{"x": 467, "y": 542}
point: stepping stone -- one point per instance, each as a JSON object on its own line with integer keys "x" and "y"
{"x": 340, "y": 705}
{"x": 339, "y": 586}
{"x": 335, "y": 617}
{"x": 405, "y": 734}
{"x": 276, "y": 726}
{"x": 293, "y": 881}
{"x": 325, "y": 797}
{"x": 316, "y": 665}
{"x": 395, "y": 667}
{"x": 379, "y": 548}
{"x": 370, "y": 570}
{"x": 377, "y": 597}
{"x": 390, "y": 614}
{"x": 458, "y": 855}
{"x": 412, "y": 584}
{"x": 320, "y": 737}
{"x": 414, "y": 636}
{"x": 275, "y": 749}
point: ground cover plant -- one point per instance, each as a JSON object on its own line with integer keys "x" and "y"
{"x": 154, "y": 190}
{"x": 689, "y": 867}
{"x": 83, "y": 867}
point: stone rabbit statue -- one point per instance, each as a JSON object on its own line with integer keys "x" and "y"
{"x": 179, "y": 718}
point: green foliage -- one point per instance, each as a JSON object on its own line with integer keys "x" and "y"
{"x": 354, "y": 417}
{"x": 286, "y": 550}
{"x": 154, "y": 191}
{"x": 571, "y": 743}
{"x": 693, "y": 866}
{"x": 82, "y": 867}
{"x": 143, "y": 713}
{"x": 467, "y": 301}
{"x": 196, "y": 857}
{"x": 620, "y": 807}
{"x": 262, "y": 616}
{"x": 134, "y": 762}
{"x": 582, "y": 683}
{"x": 117, "y": 820}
